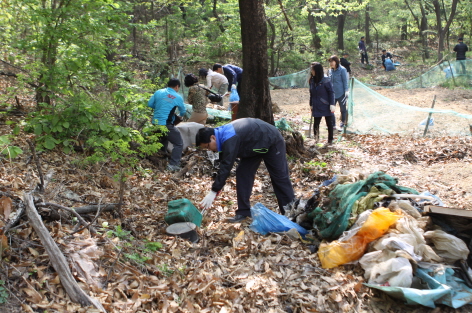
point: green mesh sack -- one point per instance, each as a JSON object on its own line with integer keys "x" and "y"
{"x": 282, "y": 124}
{"x": 333, "y": 220}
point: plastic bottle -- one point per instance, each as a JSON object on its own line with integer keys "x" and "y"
{"x": 234, "y": 96}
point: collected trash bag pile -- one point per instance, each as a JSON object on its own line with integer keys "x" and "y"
{"x": 401, "y": 251}
{"x": 346, "y": 201}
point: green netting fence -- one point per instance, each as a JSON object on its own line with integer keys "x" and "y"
{"x": 373, "y": 113}
{"x": 448, "y": 73}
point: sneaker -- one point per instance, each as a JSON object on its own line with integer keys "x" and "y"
{"x": 236, "y": 219}
{"x": 173, "y": 168}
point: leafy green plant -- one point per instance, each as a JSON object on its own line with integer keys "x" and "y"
{"x": 151, "y": 246}
{"x": 308, "y": 166}
{"x": 137, "y": 257}
{"x": 164, "y": 269}
{"x": 120, "y": 233}
{"x": 7, "y": 149}
{"x": 3, "y": 292}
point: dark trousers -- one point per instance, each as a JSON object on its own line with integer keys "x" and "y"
{"x": 364, "y": 56}
{"x": 276, "y": 162}
{"x": 329, "y": 124}
{"x": 343, "y": 106}
{"x": 175, "y": 138}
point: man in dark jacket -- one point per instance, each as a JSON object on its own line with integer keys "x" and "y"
{"x": 252, "y": 140}
{"x": 385, "y": 55}
{"x": 363, "y": 51}
{"x": 233, "y": 73}
{"x": 460, "y": 49}
{"x": 345, "y": 62}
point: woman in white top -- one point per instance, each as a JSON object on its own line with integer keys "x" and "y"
{"x": 216, "y": 81}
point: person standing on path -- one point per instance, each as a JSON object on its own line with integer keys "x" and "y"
{"x": 164, "y": 102}
{"x": 363, "y": 51}
{"x": 344, "y": 62}
{"x": 321, "y": 101}
{"x": 252, "y": 140}
{"x": 460, "y": 49}
{"x": 340, "y": 80}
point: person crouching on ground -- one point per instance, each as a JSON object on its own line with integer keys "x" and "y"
{"x": 252, "y": 140}
{"x": 197, "y": 98}
{"x": 321, "y": 100}
{"x": 340, "y": 80}
{"x": 164, "y": 102}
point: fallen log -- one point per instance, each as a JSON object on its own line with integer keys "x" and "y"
{"x": 58, "y": 260}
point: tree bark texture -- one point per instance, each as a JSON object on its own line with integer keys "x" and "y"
{"x": 316, "y": 40}
{"x": 340, "y": 31}
{"x": 367, "y": 27}
{"x": 255, "y": 98}
{"x": 442, "y": 31}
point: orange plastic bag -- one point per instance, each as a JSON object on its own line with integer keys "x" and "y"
{"x": 341, "y": 252}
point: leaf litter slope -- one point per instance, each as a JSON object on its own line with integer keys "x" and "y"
{"x": 231, "y": 268}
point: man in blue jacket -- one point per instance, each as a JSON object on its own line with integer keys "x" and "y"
{"x": 164, "y": 102}
{"x": 252, "y": 140}
{"x": 233, "y": 73}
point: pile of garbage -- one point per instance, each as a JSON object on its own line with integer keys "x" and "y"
{"x": 379, "y": 224}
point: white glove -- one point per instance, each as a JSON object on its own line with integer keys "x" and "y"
{"x": 346, "y": 94}
{"x": 332, "y": 108}
{"x": 208, "y": 200}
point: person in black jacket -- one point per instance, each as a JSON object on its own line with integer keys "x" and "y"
{"x": 346, "y": 63}
{"x": 252, "y": 140}
{"x": 386, "y": 55}
{"x": 460, "y": 49}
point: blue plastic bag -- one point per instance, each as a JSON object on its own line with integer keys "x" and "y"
{"x": 265, "y": 221}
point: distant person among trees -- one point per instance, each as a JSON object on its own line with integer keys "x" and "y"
{"x": 233, "y": 73}
{"x": 460, "y": 49}
{"x": 344, "y": 62}
{"x": 386, "y": 56}
{"x": 164, "y": 102}
{"x": 215, "y": 80}
{"x": 321, "y": 101}
{"x": 363, "y": 51}
{"x": 340, "y": 80}
{"x": 197, "y": 98}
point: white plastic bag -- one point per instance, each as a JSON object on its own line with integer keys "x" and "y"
{"x": 396, "y": 272}
{"x": 449, "y": 247}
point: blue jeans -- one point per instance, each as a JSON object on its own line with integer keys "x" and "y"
{"x": 343, "y": 106}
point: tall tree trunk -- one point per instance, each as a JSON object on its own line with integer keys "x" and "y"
{"x": 316, "y": 40}
{"x": 255, "y": 98}
{"x": 404, "y": 30}
{"x": 340, "y": 31}
{"x": 423, "y": 28}
{"x": 273, "y": 52}
{"x": 442, "y": 31}
{"x": 367, "y": 27}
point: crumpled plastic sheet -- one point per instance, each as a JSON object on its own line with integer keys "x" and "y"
{"x": 265, "y": 221}
{"x": 444, "y": 288}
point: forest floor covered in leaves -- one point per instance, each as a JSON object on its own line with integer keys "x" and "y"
{"x": 131, "y": 265}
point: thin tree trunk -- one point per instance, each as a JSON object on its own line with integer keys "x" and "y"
{"x": 367, "y": 27}
{"x": 316, "y": 40}
{"x": 340, "y": 31}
